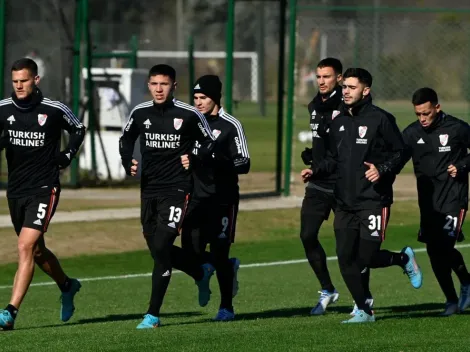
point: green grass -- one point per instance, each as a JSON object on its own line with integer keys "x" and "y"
{"x": 272, "y": 306}
{"x": 261, "y": 131}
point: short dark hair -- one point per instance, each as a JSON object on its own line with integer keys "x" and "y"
{"x": 25, "y": 63}
{"x": 164, "y": 70}
{"x": 335, "y": 64}
{"x": 361, "y": 74}
{"x": 423, "y": 95}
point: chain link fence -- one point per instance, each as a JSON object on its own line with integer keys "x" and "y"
{"x": 404, "y": 49}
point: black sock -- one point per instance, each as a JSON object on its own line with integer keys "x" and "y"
{"x": 458, "y": 266}
{"x": 65, "y": 286}
{"x": 443, "y": 271}
{"x": 317, "y": 259}
{"x": 12, "y": 310}
{"x": 399, "y": 259}
{"x": 365, "y": 278}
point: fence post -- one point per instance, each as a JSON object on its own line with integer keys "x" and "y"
{"x": 229, "y": 33}
{"x": 89, "y": 86}
{"x": 290, "y": 95}
{"x": 191, "y": 78}
{"x": 280, "y": 93}
{"x": 134, "y": 48}
{"x": 76, "y": 74}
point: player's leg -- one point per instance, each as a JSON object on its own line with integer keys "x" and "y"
{"x": 197, "y": 262}
{"x": 373, "y": 228}
{"x": 187, "y": 258}
{"x": 39, "y": 213}
{"x": 347, "y": 231}
{"x": 161, "y": 219}
{"x": 440, "y": 232}
{"x": 17, "y": 214}
{"x": 221, "y": 230}
{"x": 315, "y": 209}
{"x": 458, "y": 264}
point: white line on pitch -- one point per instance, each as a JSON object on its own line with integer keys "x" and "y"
{"x": 253, "y": 265}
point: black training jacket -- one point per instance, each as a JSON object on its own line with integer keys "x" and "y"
{"x": 322, "y": 113}
{"x": 33, "y": 127}
{"x": 367, "y": 134}
{"x": 432, "y": 150}
{"x": 167, "y": 131}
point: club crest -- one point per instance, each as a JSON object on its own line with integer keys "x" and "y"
{"x": 362, "y": 131}
{"x": 42, "y": 119}
{"x": 443, "y": 138}
{"x": 177, "y": 123}
{"x": 216, "y": 133}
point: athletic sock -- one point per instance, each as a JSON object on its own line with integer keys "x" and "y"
{"x": 12, "y": 310}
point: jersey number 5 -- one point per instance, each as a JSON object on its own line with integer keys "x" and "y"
{"x": 41, "y": 211}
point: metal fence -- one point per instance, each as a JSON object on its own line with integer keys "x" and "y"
{"x": 404, "y": 48}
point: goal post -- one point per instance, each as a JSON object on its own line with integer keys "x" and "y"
{"x": 249, "y": 55}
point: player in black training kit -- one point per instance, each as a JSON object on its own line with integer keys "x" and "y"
{"x": 438, "y": 144}
{"x": 32, "y": 126}
{"x": 319, "y": 199}
{"x": 213, "y": 209}
{"x": 168, "y": 129}
{"x": 366, "y": 150}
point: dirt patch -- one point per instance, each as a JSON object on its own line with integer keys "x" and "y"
{"x": 71, "y": 239}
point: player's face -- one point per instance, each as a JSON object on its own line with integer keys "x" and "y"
{"x": 353, "y": 90}
{"x": 161, "y": 87}
{"x": 23, "y": 83}
{"x": 203, "y": 103}
{"x": 427, "y": 113}
{"x": 327, "y": 79}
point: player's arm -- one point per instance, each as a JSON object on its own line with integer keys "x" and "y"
{"x": 463, "y": 165}
{"x": 76, "y": 131}
{"x": 239, "y": 150}
{"x": 328, "y": 165}
{"x": 202, "y": 135}
{"x": 407, "y": 150}
{"x": 127, "y": 140}
{"x": 5, "y": 138}
{"x": 394, "y": 140}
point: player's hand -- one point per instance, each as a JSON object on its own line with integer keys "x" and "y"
{"x": 452, "y": 170}
{"x": 4, "y": 142}
{"x": 134, "y": 167}
{"x": 64, "y": 159}
{"x": 185, "y": 161}
{"x": 372, "y": 174}
{"x": 306, "y": 174}
{"x": 306, "y": 156}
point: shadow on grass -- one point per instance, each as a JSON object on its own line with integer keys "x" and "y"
{"x": 119, "y": 317}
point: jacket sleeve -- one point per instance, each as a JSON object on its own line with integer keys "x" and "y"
{"x": 74, "y": 127}
{"x": 407, "y": 150}
{"x": 202, "y": 135}
{"x": 127, "y": 140}
{"x": 463, "y": 165}
{"x": 328, "y": 165}
{"x": 239, "y": 150}
{"x": 394, "y": 140}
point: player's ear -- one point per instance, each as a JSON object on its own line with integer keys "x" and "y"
{"x": 366, "y": 92}
{"x": 438, "y": 107}
{"x": 339, "y": 78}
{"x": 175, "y": 84}
{"x": 37, "y": 79}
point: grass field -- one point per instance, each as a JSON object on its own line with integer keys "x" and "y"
{"x": 272, "y": 307}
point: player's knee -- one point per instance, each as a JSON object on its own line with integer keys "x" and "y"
{"x": 309, "y": 238}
